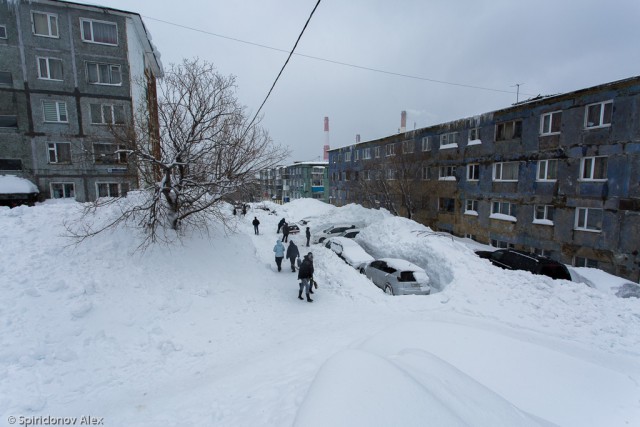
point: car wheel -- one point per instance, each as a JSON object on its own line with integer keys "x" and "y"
{"x": 388, "y": 290}
{"x": 320, "y": 240}
{"x": 361, "y": 270}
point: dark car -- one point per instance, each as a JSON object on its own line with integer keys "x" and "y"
{"x": 512, "y": 259}
{"x": 294, "y": 229}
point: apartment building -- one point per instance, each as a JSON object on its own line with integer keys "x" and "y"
{"x": 296, "y": 181}
{"x": 556, "y": 175}
{"x": 69, "y": 73}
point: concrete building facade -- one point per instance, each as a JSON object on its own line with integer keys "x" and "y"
{"x": 557, "y": 175}
{"x": 299, "y": 180}
{"x": 69, "y": 73}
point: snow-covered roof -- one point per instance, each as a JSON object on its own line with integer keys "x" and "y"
{"x": 11, "y": 184}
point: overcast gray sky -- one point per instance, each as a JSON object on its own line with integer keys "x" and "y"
{"x": 546, "y": 46}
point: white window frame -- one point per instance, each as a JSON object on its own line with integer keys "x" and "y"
{"x": 426, "y": 143}
{"x": 92, "y": 39}
{"x": 109, "y": 184}
{"x": 3, "y": 32}
{"x": 54, "y": 151}
{"x": 112, "y": 111}
{"x": 543, "y": 169}
{"x": 602, "y": 118}
{"x": 426, "y": 173}
{"x": 390, "y": 150}
{"x": 512, "y": 126}
{"x": 356, "y": 155}
{"x": 508, "y": 214}
{"x": 447, "y": 173}
{"x": 111, "y": 68}
{"x": 64, "y": 189}
{"x": 48, "y": 60}
{"x": 119, "y": 158}
{"x": 347, "y": 156}
{"x": 51, "y": 29}
{"x": 366, "y": 153}
{"x": 588, "y": 168}
{"x": 474, "y": 135}
{"x": 585, "y": 263}
{"x": 547, "y": 214}
{"x": 407, "y": 147}
{"x": 377, "y": 151}
{"x": 546, "y": 126}
{"x": 501, "y": 244}
{"x": 60, "y": 111}
{"x": 470, "y": 168}
{"x": 442, "y": 207}
{"x": 449, "y": 140}
{"x": 499, "y": 168}
{"x": 471, "y": 207}
{"x": 582, "y": 219}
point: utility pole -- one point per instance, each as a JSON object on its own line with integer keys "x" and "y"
{"x": 517, "y": 85}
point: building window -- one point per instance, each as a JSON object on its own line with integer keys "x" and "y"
{"x": 49, "y": 68}
{"x": 593, "y": 168}
{"x": 112, "y": 189}
{"x": 547, "y": 170}
{"x": 99, "y": 32}
{"x": 584, "y": 262}
{"x": 501, "y": 244}
{"x": 390, "y": 150}
{"x": 598, "y": 115}
{"x": 505, "y": 171}
{"x": 543, "y": 214}
{"x": 473, "y": 171}
{"x": 426, "y": 173}
{"x": 589, "y": 219}
{"x": 347, "y": 156}
{"x": 447, "y": 173}
{"x": 59, "y": 152}
{"x": 55, "y": 111}
{"x": 503, "y": 208}
{"x": 471, "y": 236}
{"x": 107, "y": 114}
{"x": 407, "y": 147}
{"x": 62, "y": 190}
{"x": 471, "y": 207}
{"x": 44, "y": 24}
{"x": 449, "y": 140}
{"x": 108, "y": 153}
{"x": 509, "y": 130}
{"x": 366, "y": 153}
{"x": 10, "y": 164}
{"x": 474, "y": 135}
{"x": 392, "y": 174}
{"x": 426, "y": 143}
{"x": 7, "y": 121}
{"x": 356, "y": 155}
{"x": 542, "y": 252}
{"x": 446, "y": 205}
{"x": 550, "y": 123}
{"x": 5, "y": 78}
{"x": 104, "y": 74}
{"x": 377, "y": 151}
{"x": 3, "y": 32}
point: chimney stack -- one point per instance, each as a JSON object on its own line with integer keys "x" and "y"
{"x": 357, "y": 138}
{"x": 403, "y": 122}
{"x": 326, "y": 139}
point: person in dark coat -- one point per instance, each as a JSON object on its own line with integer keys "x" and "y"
{"x": 282, "y": 221}
{"x": 244, "y": 210}
{"x": 305, "y": 274}
{"x": 255, "y": 223}
{"x": 292, "y": 254}
{"x": 308, "y": 234}
{"x": 285, "y": 232}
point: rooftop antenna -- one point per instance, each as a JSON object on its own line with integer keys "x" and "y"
{"x": 517, "y": 86}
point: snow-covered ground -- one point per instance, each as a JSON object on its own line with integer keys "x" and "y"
{"x": 210, "y": 333}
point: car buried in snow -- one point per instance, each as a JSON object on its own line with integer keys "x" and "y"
{"x": 397, "y": 276}
{"x": 332, "y": 231}
{"x": 511, "y": 259}
{"x": 347, "y": 249}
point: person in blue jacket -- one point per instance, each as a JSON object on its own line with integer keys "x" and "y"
{"x": 279, "y": 250}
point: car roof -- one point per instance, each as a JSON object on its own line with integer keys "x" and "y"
{"x": 401, "y": 264}
{"x": 344, "y": 241}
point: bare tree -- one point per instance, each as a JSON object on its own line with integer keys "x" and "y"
{"x": 203, "y": 150}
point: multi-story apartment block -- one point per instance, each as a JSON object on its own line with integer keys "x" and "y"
{"x": 299, "y": 180}
{"x": 556, "y": 175}
{"x": 69, "y": 72}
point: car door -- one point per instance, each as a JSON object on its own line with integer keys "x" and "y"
{"x": 376, "y": 273}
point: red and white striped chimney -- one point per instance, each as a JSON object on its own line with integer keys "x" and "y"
{"x": 326, "y": 139}
{"x": 403, "y": 122}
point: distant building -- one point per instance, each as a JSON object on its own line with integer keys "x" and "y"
{"x": 299, "y": 180}
{"x": 557, "y": 175}
{"x": 68, "y": 72}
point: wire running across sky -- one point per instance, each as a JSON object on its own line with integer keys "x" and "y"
{"x": 331, "y": 61}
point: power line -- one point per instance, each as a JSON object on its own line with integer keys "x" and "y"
{"x": 345, "y": 64}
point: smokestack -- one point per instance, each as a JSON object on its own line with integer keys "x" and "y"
{"x": 403, "y": 122}
{"x": 357, "y": 138}
{"x": 326, "y": 139}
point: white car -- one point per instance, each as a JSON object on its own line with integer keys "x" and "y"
{"x": 332, "y": 231}
{"x": 350, "y": 233}
{"x": 397, "y": 277}
{"x": 347, "y": 249}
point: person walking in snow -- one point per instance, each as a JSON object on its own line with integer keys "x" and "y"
{"x": 292, "y": 254}
{"x": 244, "y": 210}
{"x": 285, "y": 232}
{"x": 308, "y": 234}
{"x": 282, "y": 221}
{"x": 255, "y": 223}
{"x": 305, "y": 274}
{"x": 279, "y": 250}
